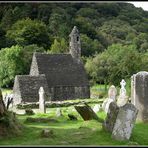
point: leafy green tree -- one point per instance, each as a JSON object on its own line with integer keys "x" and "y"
{"x": 141, "y": 26}
{"x": 7, "y": 20}
{"x": 44, "y": 12}
{"x": 86, "y": 26}
{"x": 11, "y": 64}
{"x": 89, "y": 46}
{"x": 115, "y": 31}
{"x": 26, "y": 31}
{"x": 60, "y": 23}
{"x": 59, "y": 46}
{"x": 141, "y": 41}
{"x": 115, "y": 63}
{"x": 144, "y": 61}
{"x": 2, "y": 38}
{"x": 27, "y": 52}
{"x": 15, "y": 60}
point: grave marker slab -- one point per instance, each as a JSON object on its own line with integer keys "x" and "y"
{"x": 112, "y": 92}
{"x": 125, "y": 122}
{"x": 42, "y": 100}
{"x": 123, "y": 98}
{"x": 110, "y": 120}
{"x": 86, "y": 112}
{"x": 139, "y": 94}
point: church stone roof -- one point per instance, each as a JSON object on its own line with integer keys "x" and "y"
{"x": 29, "y": 86}
{"x": 61, "y": 70}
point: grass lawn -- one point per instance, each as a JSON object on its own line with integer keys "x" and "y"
{"x": 70, "y": 133}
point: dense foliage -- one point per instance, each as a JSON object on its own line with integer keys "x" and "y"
{"x": 114, "y": 37}
{"x": 116, "y": 63}
{"x": 15, "y": 60}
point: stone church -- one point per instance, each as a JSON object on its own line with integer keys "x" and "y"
{"x": 62, "y": 76}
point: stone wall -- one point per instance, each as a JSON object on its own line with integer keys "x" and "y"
{"x": 26, "y": 88}
{"x": 69, "y": 92}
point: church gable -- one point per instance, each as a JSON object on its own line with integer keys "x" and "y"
{"x": 28, "y": 87}
{"x": 61, "y": 70}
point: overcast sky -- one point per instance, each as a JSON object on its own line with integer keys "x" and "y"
{"x": 143, "y": 5}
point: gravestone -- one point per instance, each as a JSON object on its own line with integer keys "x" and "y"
{"x": 125, "y": 122}
{"x": 42, "y": 107}
{"x": 86, "y": 112}
{"x": 122, "y": 99}
{"x": 58, "y": 112}
{"x": 112, "y": 92}
{"x": 110, "y": 120}
{"x": 96, "y": 108}
{"x": 139, "y": 94}
{"x": 120, "y": 120}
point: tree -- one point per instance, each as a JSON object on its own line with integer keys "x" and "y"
{"x": 115, "y": 63}
{"x": 44, "y": 12}
{"x": 59, "y": 46}
{"x": 59, "y": 23}
{"x": 2, "y": 38}
{"x": 7, "y": 19}
{"x": 27, "y": 52}
{"x": 141, "y": 41}
{"x": 11, "y": 64}
{"x": 86, "y": 26}
{"x": 115, "y": 31}
{"x": 90, "y": 46}
{"x": 15, "y": 60}
{"x": 26, "y": 31}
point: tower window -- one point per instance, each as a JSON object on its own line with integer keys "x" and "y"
{"x": 77, "y": 38}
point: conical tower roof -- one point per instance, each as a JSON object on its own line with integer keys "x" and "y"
{"x": 74, "y": 31}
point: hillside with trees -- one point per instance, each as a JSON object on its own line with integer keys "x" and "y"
{"x": 114, "y": 37}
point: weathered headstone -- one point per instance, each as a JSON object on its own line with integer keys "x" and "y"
{"x": 42, "y": 107}
{"x": 86, "y": 112}
{"x": 139, "y": 94}
{"x": 112, "y": 92}
{"x": 122, "y": 99}
{"x": 125, "y": 122}
{"x": 106, "y": 104}
{"x": 96, "y": 108}
{"x": 122, "y": 90}
{"x": 110, "y": 120}
{"x": 58, "y": 112}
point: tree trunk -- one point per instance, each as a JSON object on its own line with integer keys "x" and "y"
{"x": 2, "y": 105}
